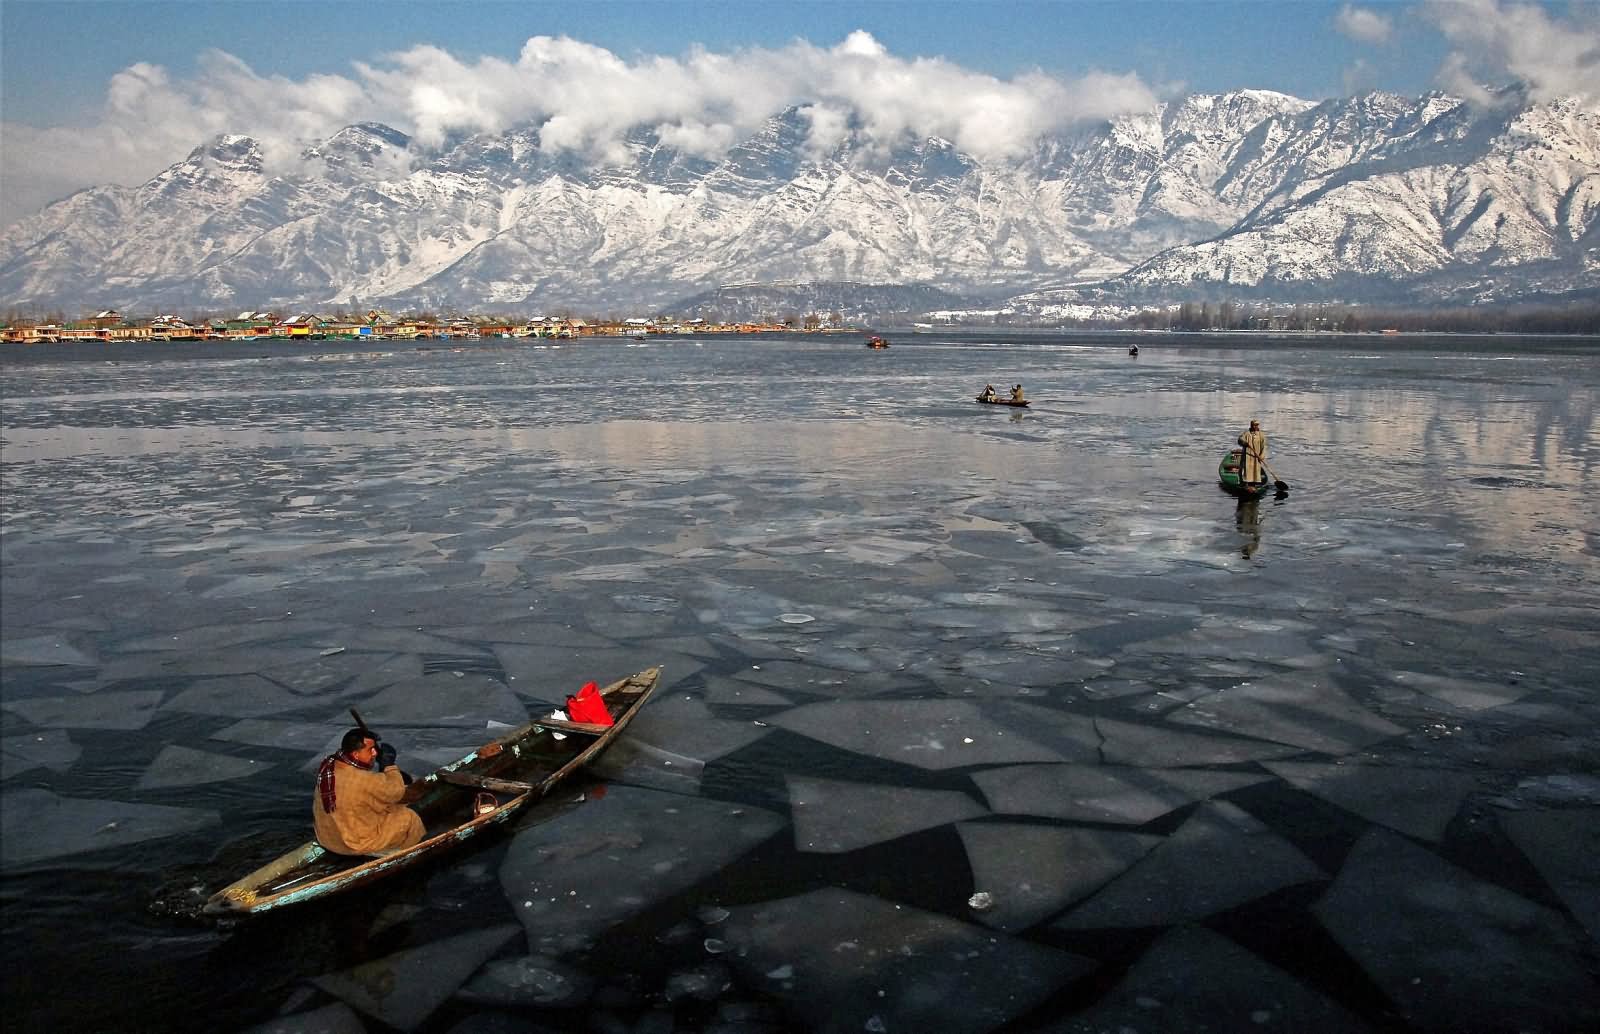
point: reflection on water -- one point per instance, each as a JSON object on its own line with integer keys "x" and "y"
{"x": 943, "y": 654}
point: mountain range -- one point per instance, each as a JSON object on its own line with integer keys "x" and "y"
{"x": 1243, "y": 195}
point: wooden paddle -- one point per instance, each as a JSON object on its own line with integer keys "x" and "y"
{"x": 1277, "y": 482}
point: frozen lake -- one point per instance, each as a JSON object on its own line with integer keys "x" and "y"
{"x": 972, "y": 719}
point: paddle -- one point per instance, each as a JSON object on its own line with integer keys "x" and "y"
{"x": 1277, "y": 482}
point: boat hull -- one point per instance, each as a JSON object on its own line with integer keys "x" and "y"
{"x": 528, "y": 762}
{"x": 1229, "y": 473}
{"x": 1002, "y": 402}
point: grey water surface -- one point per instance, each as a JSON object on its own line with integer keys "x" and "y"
{"x": 973, "y": 719}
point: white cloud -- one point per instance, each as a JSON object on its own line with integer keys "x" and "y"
{"x": 583, "y": 97}
{"x": 1364, "y": 24}
{"x": 1554, "y": 56}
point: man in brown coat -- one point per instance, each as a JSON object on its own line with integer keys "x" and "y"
{"x": 1254, "y": 442}
{"x": 358, "y": 807}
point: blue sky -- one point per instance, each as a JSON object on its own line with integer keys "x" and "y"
{"x": 96, "y": 91}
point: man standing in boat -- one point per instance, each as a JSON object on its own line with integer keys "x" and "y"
{"x": 1254, "y": 444}
{"x": 358, "y": 807}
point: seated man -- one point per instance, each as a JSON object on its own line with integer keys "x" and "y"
{"x": 988, "y": 393}
{"x": 1016, "y": 394}
{"x": 358, "y": 808}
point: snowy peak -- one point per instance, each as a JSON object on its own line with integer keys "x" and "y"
{"x": 1250, "y": 191}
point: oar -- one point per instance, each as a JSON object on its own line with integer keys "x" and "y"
{"x": 362, "y": 725}
{"x": 1277, "y": 482}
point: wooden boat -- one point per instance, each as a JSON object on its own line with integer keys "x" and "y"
{"x": 1133, "y": 350}
{"x": 998, "y": 401}
{"x": 1228, "y": 474}
{"x": 876, "y": 342}
{"x": 524, "y": 764}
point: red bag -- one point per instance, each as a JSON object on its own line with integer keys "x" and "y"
{"x": 589, "y": 706}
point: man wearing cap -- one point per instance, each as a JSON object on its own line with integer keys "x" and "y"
{"x": 1254, "y": 444}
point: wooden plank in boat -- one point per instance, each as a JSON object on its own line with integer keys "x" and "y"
{"x": 485, "y": 782}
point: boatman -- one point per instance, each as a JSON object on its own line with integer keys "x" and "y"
{"x": 1254, "y": 444}
{"x": 1016, "y": 394}
{"x": 359, "y": 807}
{"x": 988, "y": 393}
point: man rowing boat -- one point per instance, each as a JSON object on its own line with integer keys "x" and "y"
{"x": 1254, "y": 444}
{"x": 359, "y": 805}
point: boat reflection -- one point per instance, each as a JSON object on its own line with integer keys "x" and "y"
{"x": 1247, "y": 519}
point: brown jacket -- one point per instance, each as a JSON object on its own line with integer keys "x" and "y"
{"x": 367, "y": 817}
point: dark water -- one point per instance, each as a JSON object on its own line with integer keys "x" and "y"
{"x": 1323, "y": 761}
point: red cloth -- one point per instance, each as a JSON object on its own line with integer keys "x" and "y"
{"x": 325, "y": 778}
{"x": 589, "y": 706}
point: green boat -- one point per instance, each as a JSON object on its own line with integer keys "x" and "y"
{"x": 1228, "y": 476}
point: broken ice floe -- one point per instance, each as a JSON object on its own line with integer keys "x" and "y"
{"x": 687, "y": 727}
{"x": 831, "y": 816}
{"x": 1221, "y": 857}
{"x": 846, "y": 963}
{"x": 52, "y": 749}
{"x": 443, "y": 698}
{"x": 1418, "y": 801}
{"x": 1455, "y": 953}
{"x": 1563, "y": 845}
{"x": 1162, "y": 746}
{"x": 572, "y": 878}
{"x": 933, "y": 734}
{"x": 1032, "y": 872}
{"x": 1102, "y": 793}
{"x": 43, "y": 651}
{"x": 403, "y": 989}
{"x": 130, "y": 709}
{"x": 37, "y": 824}
{"x": 1303, "y": 710}
{"x": 241, "y": 696}
{"x": 184, "y": 766}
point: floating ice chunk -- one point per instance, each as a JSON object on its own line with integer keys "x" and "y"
{"x": 1418, "y": 801}
{"x": 301, "y": 737}
{"x": 613, "y": 856}
{"x": 403, "y": 989}
{"x": 531, "y": 980}
{"x": 43, "y": 651}
{"x": 1072, "y": 736}
{"x": 690, "y": 729}
{"x": 933, "y": 734}
{"x": 1300, "y": 709}
{"x": 832, "y": 817}
{"x": 337, "y": 1018}
{"x": 183, "y": 766}
{"x": 242, "y": 696}
{"x": 845, "y": 962}
{"x": 1219, "y": 858}
{"x": 721, "y": 691}
{"x": 1452, "y": 952}
{"x": 131, "y": 709}
{"x": 444, "y": 699}
{"x": 633, "y": 761}
{"x": 1194, "y": 980}
{"x": 52, "y": 749}
{"x": 1466, "y": 694}
{"x": 1094, "y": 793}
{"x": 1161, "y": 746}
{"x": 1031, "y": 872}
{"x": 37, "y": 824}
{"x": 796, "y": 619}
{"x": 1563, "y": 846}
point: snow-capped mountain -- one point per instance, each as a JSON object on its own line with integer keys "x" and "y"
{"x": 1251, "y": 193}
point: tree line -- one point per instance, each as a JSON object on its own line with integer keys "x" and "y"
{"x": 1527, "y": 318}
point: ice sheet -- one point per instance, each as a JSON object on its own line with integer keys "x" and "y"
{"x": 37, "y": 824}
{"x": 832, "y": 816}
{"x": 1304, "y": 710}
{"x": 405, "y": 988}
{"x": 1418, "y": 801}
{"x": 1032, "y": 872}
{"x": 529, "y": 980}
{"x": 444, "y": 698}
{"x": 52, "y": 749}
{"x": 684, "y": 725}
{"x": 1462, "y": 694}
{"x": 1109, "y": 793}
{"x": 1221, "y": 857}
{"x": 1455, "y": 953}
{"x": 1162, "y": 746}
{"x": 1193, "y": 980}
{"x": 337, "y": 1018}
{"x": 184, "y": 766}
{"x": 241, "y": 696}
{"x": 130, "y": 709}
{"x": 1565, "y": 847}
{"x": 933, "y": 734}
{"x": 571, "y": 879}
{"x": 44, "y": 651}
{"x": 846, "y": 963}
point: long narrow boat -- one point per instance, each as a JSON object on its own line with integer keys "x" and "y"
{"x": 1230, "y": 477}
{"x": 1003, "y": 402}
{"x": 524, "y": 764}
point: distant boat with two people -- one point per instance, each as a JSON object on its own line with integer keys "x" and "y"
{"x": 990, "y": 397}
{"x": 876, "y": 342}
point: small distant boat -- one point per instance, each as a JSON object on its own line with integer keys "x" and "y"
{"x": 1228, "y": 475}
{"x": 1133, "y": 350}
{"x": 456, "y": 802}
{"x": 876, "y": 342}
{"x": 998, "y": 401}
